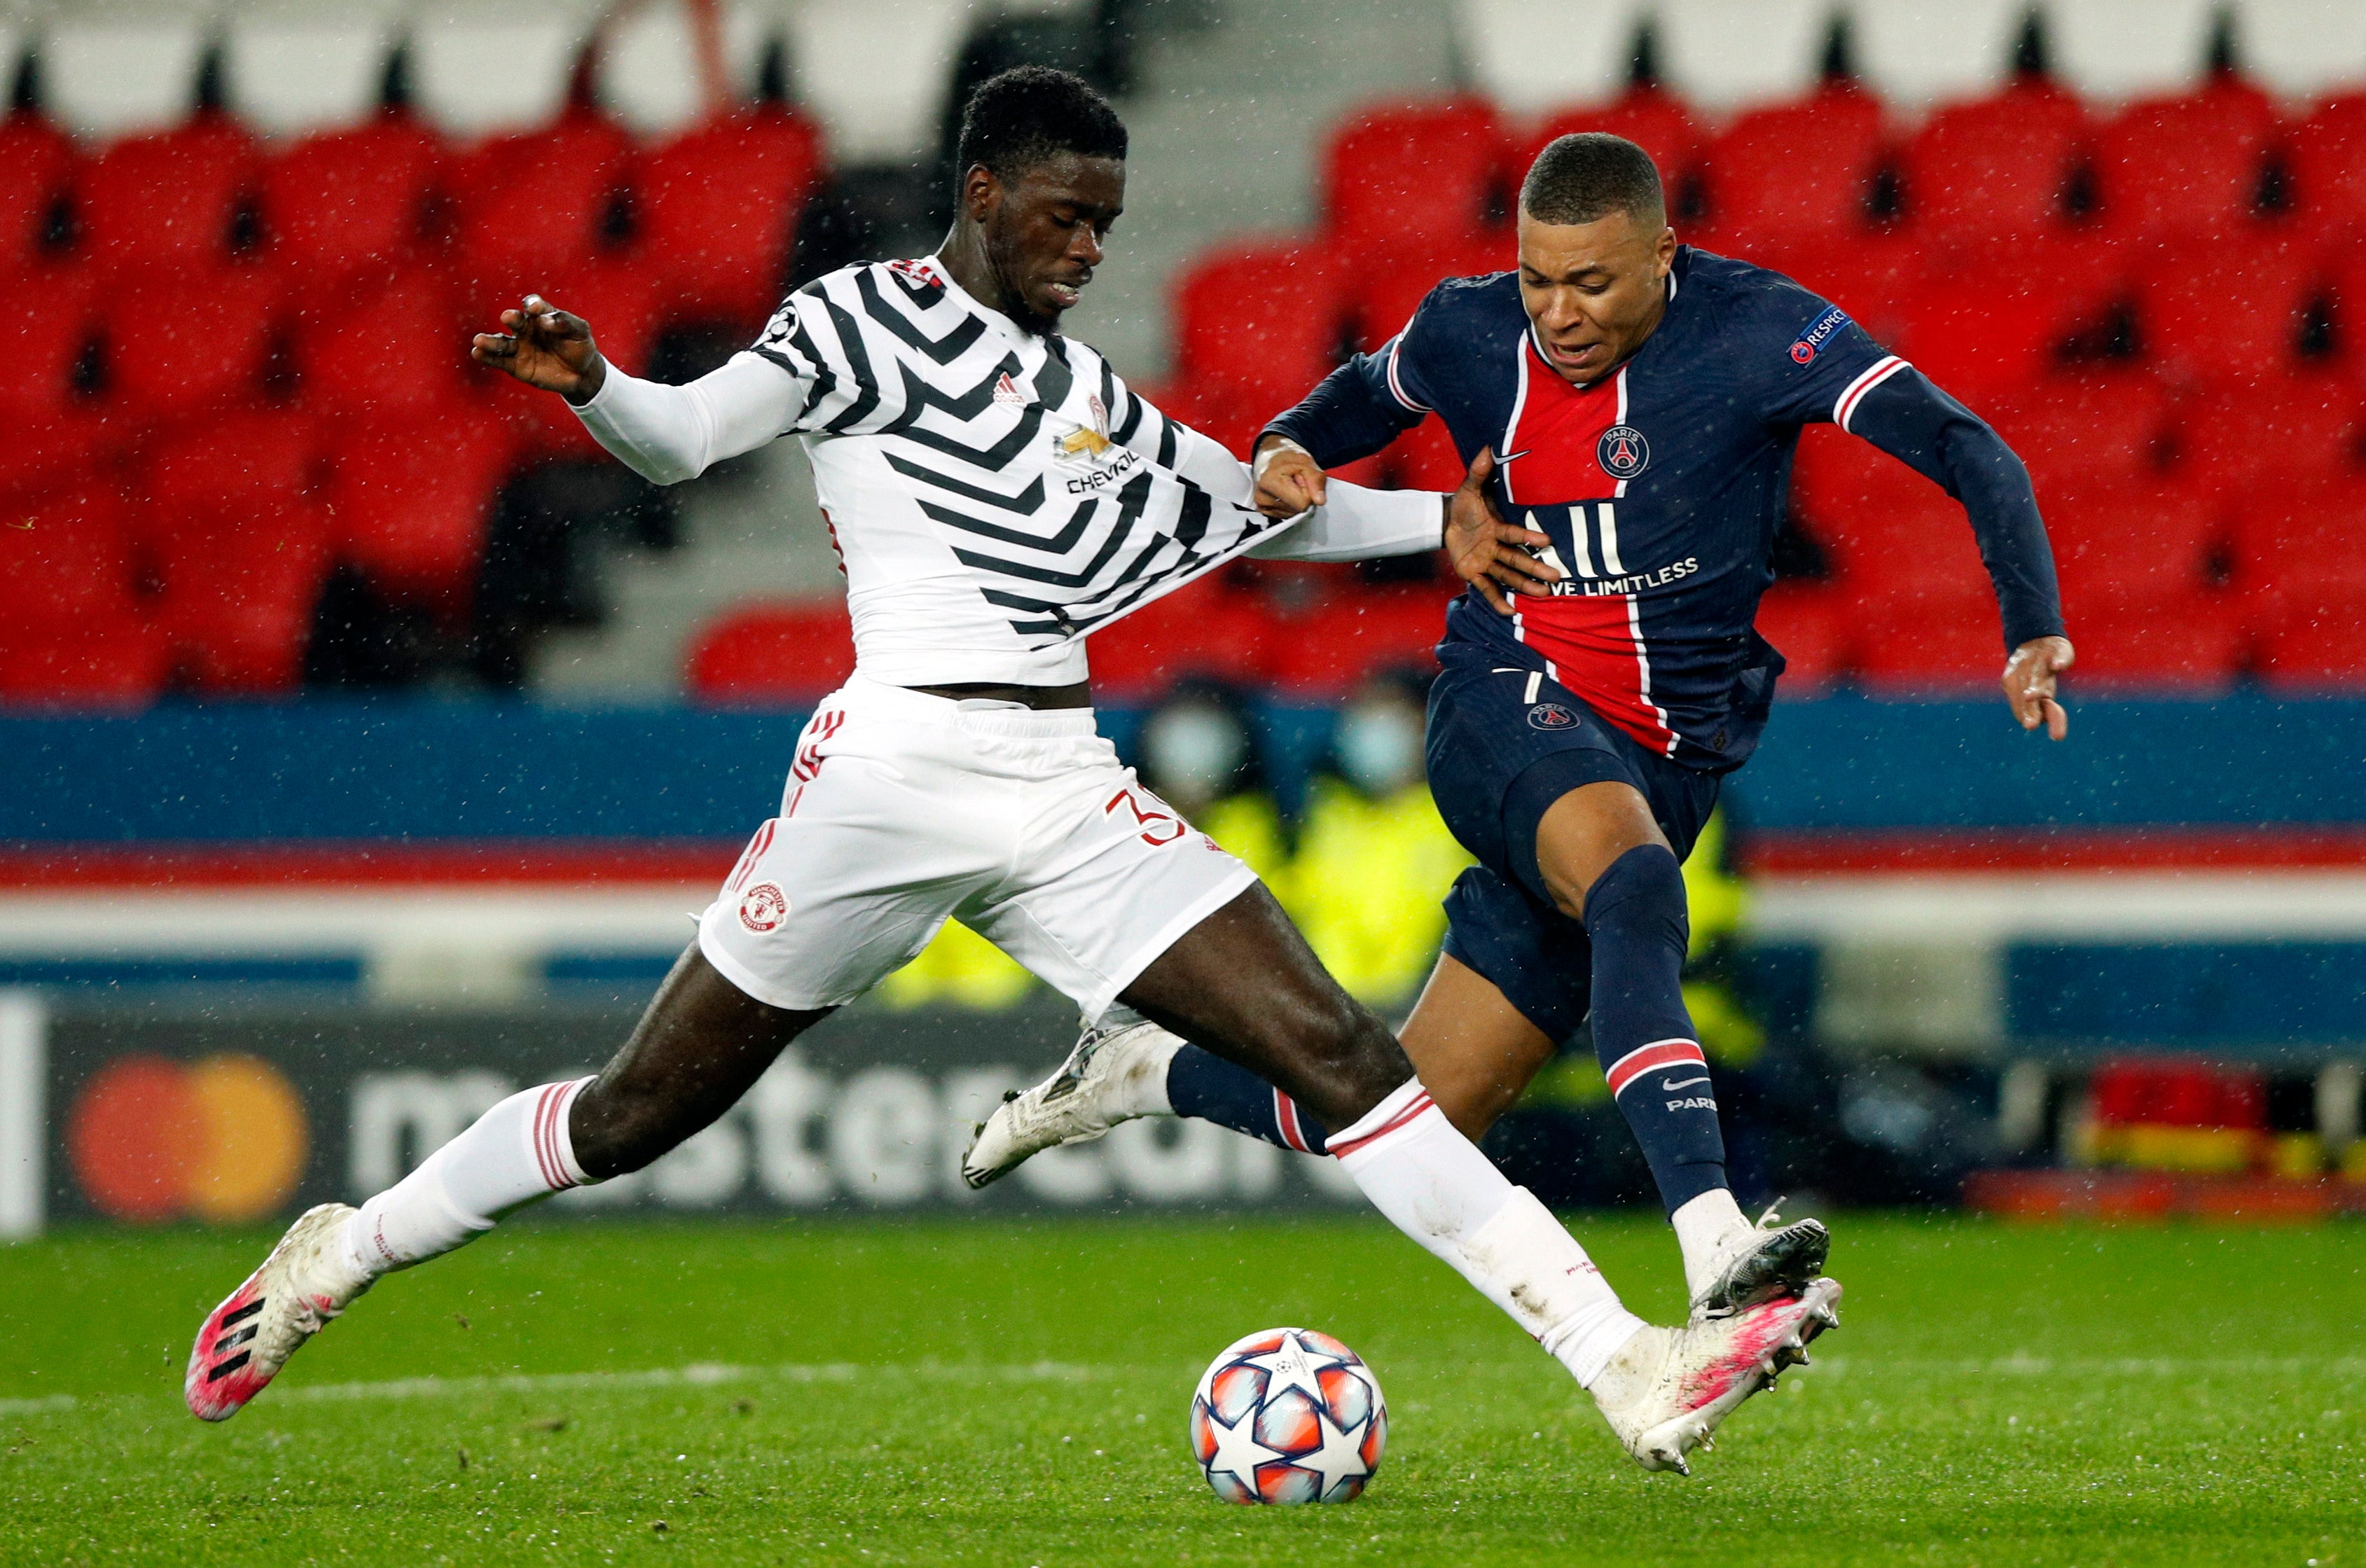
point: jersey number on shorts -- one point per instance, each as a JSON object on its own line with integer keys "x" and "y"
{"x": 1158, "y": 828}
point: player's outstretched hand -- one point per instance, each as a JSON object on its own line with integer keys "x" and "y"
{"x": 546, "y": 347}
{"x": 1289, "y": 480}
{"x": 1487, "y": 552}
{"x": 2029, "y": 683}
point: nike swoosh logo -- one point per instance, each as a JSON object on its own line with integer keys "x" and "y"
{"x": 1509, "y": 456}
{"x": 1667, "y": 1088}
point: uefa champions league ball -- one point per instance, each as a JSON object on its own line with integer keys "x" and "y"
{"x": 1289, "y": 1415}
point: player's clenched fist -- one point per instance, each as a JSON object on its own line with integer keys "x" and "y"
{"x": 1289, "y": 480}
{"x": 1488, "y": 553}
{"x": 546, "y": 347}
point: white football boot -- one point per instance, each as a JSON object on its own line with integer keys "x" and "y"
{"x": 306, "y": 1280}
{"x": 1107, "y": 1080}
{"x": 1667, "y": 1389}
{"x": 1765, "y": 1263}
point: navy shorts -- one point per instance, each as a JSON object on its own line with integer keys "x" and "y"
{"x": 1504, "y": 745}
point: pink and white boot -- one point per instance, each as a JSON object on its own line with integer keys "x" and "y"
{"x": 1667, "y": 1389}
{"x": 307, "y": 1279}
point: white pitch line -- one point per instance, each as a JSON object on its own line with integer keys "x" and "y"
{"x": 53, "y": 1404}
{"x": 697, "y": 1374}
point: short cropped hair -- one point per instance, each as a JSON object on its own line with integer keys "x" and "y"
{"x": 1030, "y": 113}
{"x": 1579, "y": 178}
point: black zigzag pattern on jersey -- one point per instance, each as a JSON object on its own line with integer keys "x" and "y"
{"x": 1053, "y": 381}
{"x": 850, "y": 338}
{"x": 943, "y": 350}
{"x": 920, "y": 396}
{"x": 1056, "y": 579}
{"x": 1059, "y": 543}
{"x": 1026, "y": 501}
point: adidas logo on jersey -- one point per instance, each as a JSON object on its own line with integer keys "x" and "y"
{"x": 1007, "y": 392}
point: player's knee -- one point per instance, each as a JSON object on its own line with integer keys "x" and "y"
{"x": 1641, "y": 892}
{"x": 1348, "y": 1056}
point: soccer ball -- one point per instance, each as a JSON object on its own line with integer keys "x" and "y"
{"x": 1289, "y": 1415}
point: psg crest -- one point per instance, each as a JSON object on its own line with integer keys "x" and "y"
{"x": 1551, "y": 715}
{"x": 1622, "y": 451}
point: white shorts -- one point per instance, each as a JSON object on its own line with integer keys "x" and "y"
{"x": 903, "y": 810}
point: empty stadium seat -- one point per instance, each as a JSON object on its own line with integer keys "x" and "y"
{"x": 1875, "y": 276}
{"x": 239, "y": 587}
{"x": 410, "y": 501}
{"x": 2280, "y": 429}
{"x": 497, "y": 67}
{"x": 2285, "y": 537}
{"x": 250, "y": 458}
{"x": 37, "y": 169}
{"x": 717, "y": 212}
{"x": 348, "y": 202}
{"x": 878, "y": 91}
{"x": 1995, "y": 166}
{"x": 2132, "y": 539}
{"x": 47, "y": 320}
{"x": 45, "y": 454}
{"x": 2309, "y": 642}
{"x": 529, "y": 204}
{"x": 2137, "y": 642}
{"x": 2324, "y": 161}
{"x": 1259, "y": 321}
{"x": 2186, "y": 165}
{"x": 1795, "y": 173}
{"x": 185, "y": 345}
{"x": 108, "y": 73}
{"x": 1203, "y": 629}
{"x": 1652, "y": 119}
{"x": 1527, "y": 55}
{"x": 398, "y": 348}
{"x": 72, "y": 632}
{"x": 2190, "y": 331}
{"x": 1939, "y": 642}
{"x": 1992, "y": 329}
{"x": 2301, "y": 48}
{"x": 2078, "y": 432}
{"x": 1733, "y": 54}
{"x": 166, "y": 200}
{"x": 2117, "y": 50}
{"x": 649, "y": 72}
{"x": 1408, "y": 174}
{"x": 1327, "y": 653}
{"x": 1390, "y": 287}
{"x": 292, "y": 70}
{"x": 1919, "y": 55}
{"x": 789, "y": 652}
{"x": 1812, "y": 625}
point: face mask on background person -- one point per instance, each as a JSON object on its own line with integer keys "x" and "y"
{"x": 1191, "y": 753}
{"x": 1378, "y": 746}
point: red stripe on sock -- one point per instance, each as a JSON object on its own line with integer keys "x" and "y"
{"x": 1285, "y": 1116}
{"x": 547, "y": 1112}
{"x": 1421, "y": 1102}
{"x": 1648, "y": 1058}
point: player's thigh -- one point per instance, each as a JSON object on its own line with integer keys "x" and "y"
{"x": 1475, "y": 1052}
{"x": 1244, "y": 984}
{"x": 1584, "y": 830}
{"x": 702, "y": 1044}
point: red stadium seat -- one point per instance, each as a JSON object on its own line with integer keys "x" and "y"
{"x": 717, "y": 211}
{"x": 2324, "y": 160}
{"x": 1793, "y": 172}
{"x": 46, "y": 323}
{"x": 45, "y": 455}
{"x": 2078, "y": 432}
{"x": 1391, "y": 285}
{"x": 240, "y": 586}
{"x": 37, "y": 168}
{"x": 2310, "y": 641}
{"x": 1876, "y": 277}
{"x": 1411, "y": 174}
{"x": 1999, "y": 165}
{"x": 1997, "y": 329}
{"x": 410, "y": 501}
{"x": 1424, "y": 458}
{"x": 2189, "y": 332}
{"x": 619, "y": 296}
{"x": 1942, "y": 641}
{"x": 1354, "y": 636}
{"x": 67, "y": 560}
{"x": 181, "y": 344}
{"x": 2288, "y": 536}
{"x": 1204, "y": 629}
{"x": 1654, "y": 119}
{"x": 1812, "y": 626}
{"x": 349, "y": 201}
{"x": 399, "y": 348}
{"x": 792, "y": 653}
{"x": 1262, "y": 323}
{"x": 2129, "y": 536}
{"x": 1885, "y": 528}
{"x": 165, "y": 200}
{"x": 2187, "y": 165}
{"x": 253, "y": 458}
{"x": 531, "y": 205}
{"x": 2284, "y": 428}
{"x": 2184, "y": 644}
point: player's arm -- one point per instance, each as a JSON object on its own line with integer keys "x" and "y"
{"x": 665, "y": 433}
{"x": 1903, "y": 413}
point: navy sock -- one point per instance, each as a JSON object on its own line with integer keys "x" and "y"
{"x": 1635, "y": 918}
{"x": 1202, "y": 1084}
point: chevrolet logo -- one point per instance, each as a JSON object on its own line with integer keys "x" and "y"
{"x": 1084, "y": 442}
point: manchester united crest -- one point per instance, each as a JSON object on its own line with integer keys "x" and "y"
{"x": 1622, "y": 451}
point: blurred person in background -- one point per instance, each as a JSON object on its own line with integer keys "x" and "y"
{"x": 1374, "y": 858}
{"x": 1197, "y": 753}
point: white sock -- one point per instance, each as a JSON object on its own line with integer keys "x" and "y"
{"x": 1435, "y": 1185}
{"x": 1143, "y": 1090}
{"x": 517, "y": 1153}
{"x": 1708, "y": 1229}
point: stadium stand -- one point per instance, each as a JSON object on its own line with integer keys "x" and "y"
{"x": 1726, "y": 56}
{"x": 109, "y": 74}
{"x": 648, "y": 64}
{"x": 296, "y": 70}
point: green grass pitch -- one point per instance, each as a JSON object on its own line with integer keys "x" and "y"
{"x": 1014, "y": 1392}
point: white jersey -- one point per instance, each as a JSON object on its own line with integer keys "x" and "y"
{"x": 995, "y": 494}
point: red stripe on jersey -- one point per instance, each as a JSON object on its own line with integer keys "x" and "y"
{"x": 1592, "y": 646}
{"x": 1553, "y": 445}
{"x": 1650, "y": 1058}
{"x": 1293, "y": 1130}
{"x": 1421, "y": 1102}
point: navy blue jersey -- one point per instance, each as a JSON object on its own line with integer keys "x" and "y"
{"x": 1663, "y": 484}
